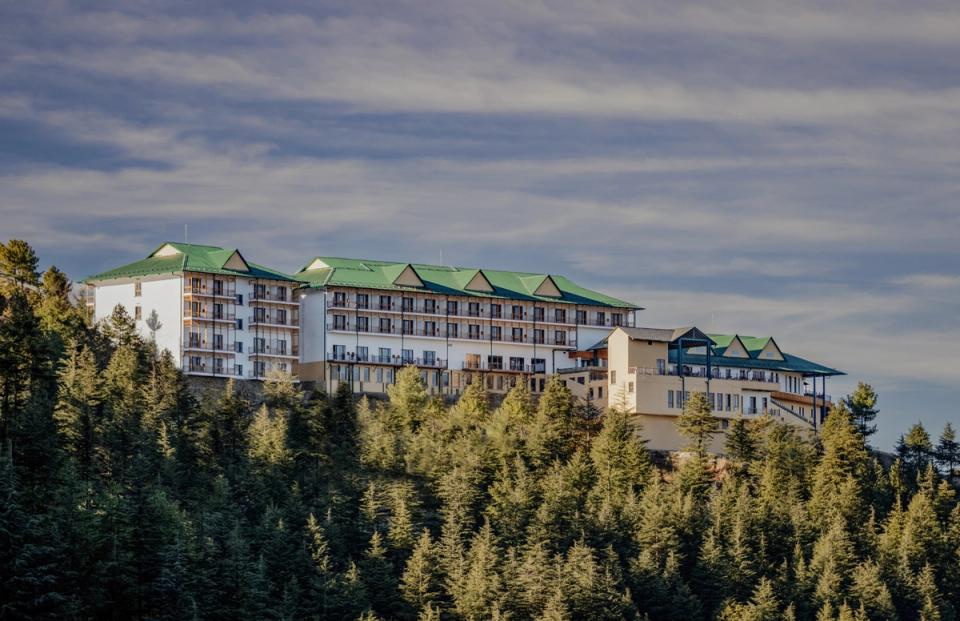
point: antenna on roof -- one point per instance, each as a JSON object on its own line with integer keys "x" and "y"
{"x": 185, "y": 236}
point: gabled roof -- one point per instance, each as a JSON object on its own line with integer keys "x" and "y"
{"x": 337, "y": 271}
{"x": 176, "y": 258}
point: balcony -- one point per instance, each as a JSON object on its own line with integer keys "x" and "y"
{"x": 273, "y": 297}
{"x": 397, "y": 361}
{"x": 205, "y": 315}
{"x": 229, "y": 290}
{"x": 500, "y": 368}
{"x": 275, "y": 349}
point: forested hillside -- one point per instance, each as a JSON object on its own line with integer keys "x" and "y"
{"x": 123, "y": 496}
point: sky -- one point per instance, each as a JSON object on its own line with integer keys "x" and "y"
{"x": 766, "y": 168}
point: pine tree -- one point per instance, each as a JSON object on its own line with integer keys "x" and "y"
{"x": 474, "y": 403}
{"x": 697, "y": 423}
{"x": 948, "y": 450}
{"x": 408, "y": 397}
{"x": 863, "y": 409}
{"x": 268, "y": 438}
{"x": 871, "y": 593}
{"x": 839, "y": 477}
{"x": 620, "y": 459}
{"x": 481, "y": 583}
{"x": 915, "y": 448}
{"x": 376, "y": 571}
{"x": 740, "y": 446}
{"x": 79, "y": 399}
{"x": 19, "y": 262}
{"x": 420, "y": 583}
{"x": 551, "y": 435}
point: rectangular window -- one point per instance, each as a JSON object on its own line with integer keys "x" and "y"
{"x": 282, "y": 348}
{"x": 385, "y": 302}
{"x": 363, "y": 324}
{"x": 196, "y": 285}
{"x": 473, "y": 309}
{"x": 281, "y": 317}
{"x": 217, "y": 287}
{"x": 260, "y": 345}
{"x": 238, "y": 346}
{"x": 282, "y": 294}
{"x": 259, "y": 314}
{"x": 363, "y": 300}
{"x": 429, "y": 358}
{"x": 560, "y": 315}
{"x": 538, "y": 365}
{"x": 406, "y": 304}
{"x": 601, "y": 318}
{"x": 194, "y": 339}
{"x": 516, "y": 335}
{"x": 560, "y": 337}
{"x": 389, "y": 376}
{"x": 670, "y": 399}
{"x": 260, "y": 368}
{"x": 430, "y": 328}
{"x": 239, "y": 299}
{"x": 384, "y": 325}
{"x": 218, "y": 311}
{"x": 453, "y": 330}
{"x": 259, "y": 292}
{"x": 239, "y": 324}
{"x": 616, "y": 319}
{"x": 538, "y": 313}
{"x": 661, "y": 366}
{"x": 474, "y": 331}
{"x": 613, "y": 376}
{"x": 407, "y": 356}
{"x": 339, "y": 322}
{"x": 407, "y": 326}
{"x": 238, "y": 370}
{"x": 581, "y": 317}
{"x": 630, "y": 387}
{"x": 339, "y": 351}
{"x": 379, "y": 375}
{"x": 516, "y": 363}
{"x": 429, "y": 306}
{"x": 516, "y": 312}
{"x": 137, "y": 312}
{"x": 196, "y": 363}
{"x": 495, "y": 362}
{"x": 363, "y": 352}
{"x": 452, "y": 308}
{"x": 366, "y": 374}
{"x": 137, "y": 289}
{"x": 472, "y": 361}
{"x": 496, "y": 333}
{"x": 496, "y": 311}
{"x": 218, "y": 365}
{"x": 385, "y": 354}
{"x": 538, "y": 336}
{"x": 218, "y": 341}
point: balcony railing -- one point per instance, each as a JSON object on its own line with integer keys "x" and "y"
{"x": 227, "y": 291}
{"x": 505, "y": 314}
{"x": 505, "y": 368}
{"x": 352, "y": 358}
{"x": 275, "y": 348}
{"x": 274, "y": 320}
{"x": 209, "y": 315}
{"x": 271, "y": 296}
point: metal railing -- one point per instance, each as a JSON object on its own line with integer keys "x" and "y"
{"x": 275, "y": 348}
{"x": 352, "y": 358}
{"x": 486, "y": 366}
{"x": 274, "y": 320}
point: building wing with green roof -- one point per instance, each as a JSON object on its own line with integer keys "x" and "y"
{"x": 324, "y": 272}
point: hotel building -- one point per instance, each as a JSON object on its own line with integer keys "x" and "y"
{"x": 218, "y": 314}
{"x": 365, "y": 319}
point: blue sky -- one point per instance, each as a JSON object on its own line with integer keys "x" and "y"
{"x": 784, "y": 168}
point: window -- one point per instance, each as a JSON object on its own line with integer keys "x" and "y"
{"x": 218, "y": 341}
{"x": 516, "y": 312}
{"x": 389, "y": 376}
{"x": 363, "y": 324}
{"x": 601, "y": 318}
{"x": 452, "y": 307}
{"x": 560, "y": 315}
{"x": 429, "y": 358}
{"x": 217, "y": 287}
{"x": 429, "y": 306}
{"x": 218, "y": 365}
{"x": 613, "y": 376}
{"x": 406, "y": 304}
{"x": 366, "y": 374}
{"x": 194, "y": 339}
{"x": 282, "y": 348}
{"x": 407, "y": 326}
{"x": 282, "y": 294}
{"x": 339, "y": 351}
{"x": 538, "y": 336}
{"x": 473, "y": 309}
{"x": 516, "y": 363}
{"x": 239, "y": 299}
{"x": 379, "y": 376}
{"x": 137, "y": 289}
{"x": 661, "y": 366}
{"x": 239, "y": 324}
{"x": 281, "y": 317}
{"x": 616, "y": 319}
{"x": 724, "y": 423}
{"x": 196, "y": 285}
{"x": 217, "y": 311}
{"x": 630, "y": 387}
{"x": 385, "y": 302}
{"x": 670, "y": 399}
{"x": 496, "y": 333}
{"x": 385, "y": 354}
{"x": 339, "y": 299}
{"x": 430, "y": 328}
{"x": 496, "y": 311}
{"x": 764, "y": 402}
{"x": 363, "y": 352}
{"x": 384, "y": 325}
{"x": 538, "y": 313}
{"x": 472, "y": 361}
{"x": 137, "y": 312}
{"x": 238, "y": 370}
{"x": 238, "y": 347}
{"x": 406, "y": 356}
{"x": 363, "y": 300}
{"x": 453, "y": 330}
{"x": 560, "y": 337}
{"x": 581, "y": 316}
{"x": 538, "y": 365}
{"x": 516, "y": 335}
{"x": 339, "y": 322}
{"x": 474, "y": 331}
{"x": 259, "y": 292}
{"x": 196, "y": 363}
{"x": 495, "y": 362}
{"x": 260, "y": 345}
{"x": 259, "y": 314}
{"x": 260, "y": 368}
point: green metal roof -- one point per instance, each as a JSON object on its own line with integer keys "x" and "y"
{"x": 790, "y": 362}
{"x": 373, "y": 274}
{"x": 189, "y": 258}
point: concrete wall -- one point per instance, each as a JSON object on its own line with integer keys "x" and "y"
{"x": 160, "y": 294}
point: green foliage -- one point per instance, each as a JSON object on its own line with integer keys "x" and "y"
{"x": 123, "y": 496}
